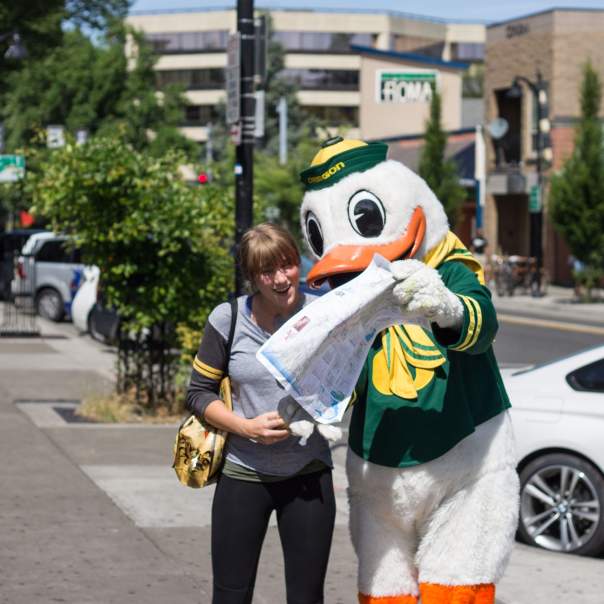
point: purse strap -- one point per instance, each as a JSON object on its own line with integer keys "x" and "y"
{"x": 234, "y": 311}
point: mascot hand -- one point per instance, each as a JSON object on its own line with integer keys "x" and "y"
{"x": 422, "y": 293}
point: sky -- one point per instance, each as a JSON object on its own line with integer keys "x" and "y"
{"x": 486, "y": 11}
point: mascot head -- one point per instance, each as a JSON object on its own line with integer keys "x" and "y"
{"x": 358, "y": 203}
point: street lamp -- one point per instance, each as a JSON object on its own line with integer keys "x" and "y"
{"x": 543, "y": 153}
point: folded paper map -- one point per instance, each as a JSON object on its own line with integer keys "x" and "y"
{"x": 318, "y": 353}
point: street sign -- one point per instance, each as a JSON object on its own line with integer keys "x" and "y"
{"x": 55, "y": 137}
{"x": 259, "y": 117}
{"x": 12, "y": 168}
{"x": 81, "y": 136}
{"x": 534, "y": 205}
{"x": 232, "y": 79}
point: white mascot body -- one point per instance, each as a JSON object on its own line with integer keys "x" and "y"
{"x": 433, "y": 489}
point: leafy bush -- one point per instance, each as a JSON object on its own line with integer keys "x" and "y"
{"x": 163, "y": 248}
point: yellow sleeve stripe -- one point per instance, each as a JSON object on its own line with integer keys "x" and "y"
{"x": 478, "y": 322}
{"x": 210, "y": 372}
{"x": 471, "y": 324}
{"x": 474, "y": 325}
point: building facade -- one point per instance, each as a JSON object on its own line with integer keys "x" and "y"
{"x": 320, "y": 55}
{"x": 550, "y": 49}
{"x": 396, "y": 91}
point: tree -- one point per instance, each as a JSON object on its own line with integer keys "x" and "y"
{"x": 440, "y": 174}
{"x": 40, "y": 23}
{"x": 576, "y": 201}
{"x": 82, "y": 84}
{"x": 162, "y": 247}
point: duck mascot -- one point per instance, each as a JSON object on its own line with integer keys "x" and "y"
{"x": 433, "y": 489}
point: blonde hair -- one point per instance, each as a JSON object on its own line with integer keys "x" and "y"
{"x": 264, "y": 248}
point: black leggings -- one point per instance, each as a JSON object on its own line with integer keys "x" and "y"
{"x": 306, "y": 510}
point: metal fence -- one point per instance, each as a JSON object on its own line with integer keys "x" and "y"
{"x": 18, "y": 310}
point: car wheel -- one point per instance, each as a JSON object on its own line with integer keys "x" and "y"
{"x": 49, "y": 304}
{"x": 562, "y": 505}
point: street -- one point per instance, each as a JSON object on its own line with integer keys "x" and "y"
{"x": 94, "y": 514}
{"x": 525, "y": 344}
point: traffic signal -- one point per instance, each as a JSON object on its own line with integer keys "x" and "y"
{"x": 204, "y": 177}
{"x": 544, "y": 126}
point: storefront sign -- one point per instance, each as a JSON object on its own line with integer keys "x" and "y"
{"x": 516, "y": 29}
{"x": 405, "y": 86}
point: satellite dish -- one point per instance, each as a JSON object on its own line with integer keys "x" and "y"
{"x": 498, "y": 127}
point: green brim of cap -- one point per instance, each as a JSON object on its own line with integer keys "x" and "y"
{"x": 343, "y": 164}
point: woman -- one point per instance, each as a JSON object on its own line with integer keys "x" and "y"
{"x": 266, "y": 469}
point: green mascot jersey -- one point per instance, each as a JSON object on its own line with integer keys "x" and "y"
{"x": 419, "y": 393}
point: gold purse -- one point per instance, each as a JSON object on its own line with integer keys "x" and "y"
{"x": 199, "y": 446}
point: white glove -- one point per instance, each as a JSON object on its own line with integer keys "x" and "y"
{"x": 422, "y": 293}
{"x": 301, "y": 424}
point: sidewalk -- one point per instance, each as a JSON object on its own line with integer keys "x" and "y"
{"x": 559, "y": 303}
{"x": 93, "y": 514}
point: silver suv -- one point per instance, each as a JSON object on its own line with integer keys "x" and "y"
{"x": 48, "y": 272}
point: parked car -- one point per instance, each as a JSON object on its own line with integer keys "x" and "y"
{"x": 11, "y": 243}
{"x": 558, "y": 417}
{"x": 48, "y": 271}
{"x": 89, "y": 312}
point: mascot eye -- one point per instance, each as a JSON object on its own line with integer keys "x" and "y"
{"x": 366, "y": 214}
{"x": 315, "y": 235}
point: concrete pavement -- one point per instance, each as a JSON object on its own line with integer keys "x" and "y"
{"x": 93, "y": 513}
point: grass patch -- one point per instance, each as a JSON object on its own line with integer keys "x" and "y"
{"x": 120, "y": 408}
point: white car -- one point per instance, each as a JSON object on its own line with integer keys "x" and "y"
{"x": 85, "y": 298}
{"x": 558, "y": 417}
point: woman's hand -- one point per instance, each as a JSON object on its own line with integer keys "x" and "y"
{"x": 267, "y": 428}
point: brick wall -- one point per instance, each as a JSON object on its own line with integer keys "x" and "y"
{"x": 557, "y": 43}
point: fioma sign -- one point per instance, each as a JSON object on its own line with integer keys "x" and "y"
{"x": 405, "y": 86}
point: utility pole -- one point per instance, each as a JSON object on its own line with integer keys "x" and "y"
{"x": 244, "y": 167}
{"x": 282, "y": 111}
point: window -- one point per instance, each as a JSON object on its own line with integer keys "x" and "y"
{"x": 183, "y": 42}
{"x": 508, "y": 147}
{"x": 191, "y": 79}
{"x": 58, "y": 251}
{"x": 199, "y": 115}
{"x": 467, "y": 51}
{"x": 323, "y": 79}
{"x": 304, "y": 41}
{"x": 589, "y": 378}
